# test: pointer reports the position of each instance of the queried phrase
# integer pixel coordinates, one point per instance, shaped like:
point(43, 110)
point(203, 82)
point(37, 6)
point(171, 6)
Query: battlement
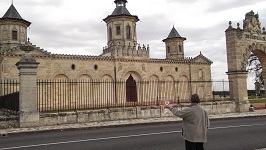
point(127, 51)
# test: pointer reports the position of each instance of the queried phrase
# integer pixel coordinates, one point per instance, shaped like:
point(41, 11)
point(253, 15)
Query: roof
point(174, 34)
point(117, 1)
point(120, 10)
point(13, 14)
point(201, 59)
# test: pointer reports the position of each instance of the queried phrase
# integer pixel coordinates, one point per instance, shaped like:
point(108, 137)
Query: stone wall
point(49, 119)
point(9, 122)
point(123, 114)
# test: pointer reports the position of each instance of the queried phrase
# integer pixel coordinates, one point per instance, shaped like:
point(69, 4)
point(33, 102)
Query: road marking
point(261, 124)
point(124, 136)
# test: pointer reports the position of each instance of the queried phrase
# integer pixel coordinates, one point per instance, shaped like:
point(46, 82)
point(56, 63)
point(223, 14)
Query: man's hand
point(168, 106)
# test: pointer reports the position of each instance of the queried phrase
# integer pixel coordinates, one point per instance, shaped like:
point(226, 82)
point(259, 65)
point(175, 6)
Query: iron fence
point(62, 95)
point(9, 96)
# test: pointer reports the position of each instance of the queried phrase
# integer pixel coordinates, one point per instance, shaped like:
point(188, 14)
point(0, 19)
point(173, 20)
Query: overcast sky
point(76, 27)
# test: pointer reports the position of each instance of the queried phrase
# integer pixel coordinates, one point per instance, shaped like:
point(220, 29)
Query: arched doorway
point(239, 44)
point(131, 89)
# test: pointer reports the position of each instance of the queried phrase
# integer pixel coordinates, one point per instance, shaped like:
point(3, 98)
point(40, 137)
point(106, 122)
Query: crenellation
point(124, 50)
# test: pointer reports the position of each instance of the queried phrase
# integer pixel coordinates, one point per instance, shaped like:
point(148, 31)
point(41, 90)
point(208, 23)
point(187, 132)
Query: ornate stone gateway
point(239, 43)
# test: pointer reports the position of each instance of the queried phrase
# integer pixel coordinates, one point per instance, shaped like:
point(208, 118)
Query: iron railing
point(64, 95)
point(9, 96)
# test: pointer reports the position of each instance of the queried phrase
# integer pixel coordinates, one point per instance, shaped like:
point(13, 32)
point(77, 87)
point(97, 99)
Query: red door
point(131, 90)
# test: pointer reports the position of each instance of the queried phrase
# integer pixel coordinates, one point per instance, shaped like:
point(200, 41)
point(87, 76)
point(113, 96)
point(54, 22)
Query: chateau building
point(121, 60)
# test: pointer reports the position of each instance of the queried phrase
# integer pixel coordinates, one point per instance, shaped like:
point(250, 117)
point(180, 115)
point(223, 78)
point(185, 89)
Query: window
point(161, 69)
point(180, 48)
point(128, 32)
point(118, 30)
point(200, 74)
point(110, 34)
point(73, 66)
point(168, 49)
point(14, 35)
point(95, 67)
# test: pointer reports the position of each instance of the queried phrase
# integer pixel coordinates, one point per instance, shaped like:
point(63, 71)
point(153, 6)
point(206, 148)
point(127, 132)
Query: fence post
point(28, 113)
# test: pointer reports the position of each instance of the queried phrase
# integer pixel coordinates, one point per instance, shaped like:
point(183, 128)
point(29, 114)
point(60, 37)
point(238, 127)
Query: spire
point(120, 3)
point(173, 33)
point(120, 10)
point(12, 13)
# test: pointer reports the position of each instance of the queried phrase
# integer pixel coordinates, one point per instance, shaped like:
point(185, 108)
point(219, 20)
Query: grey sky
point(76, 27)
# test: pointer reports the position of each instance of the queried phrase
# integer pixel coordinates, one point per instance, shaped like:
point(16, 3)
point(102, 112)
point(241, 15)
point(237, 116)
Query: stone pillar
point(238, 88)
point(237, 73)
point(28, 113)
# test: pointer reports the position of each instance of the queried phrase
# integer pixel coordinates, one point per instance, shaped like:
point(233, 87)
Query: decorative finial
point(230, 25)
point(263, 30)
point(238, 24)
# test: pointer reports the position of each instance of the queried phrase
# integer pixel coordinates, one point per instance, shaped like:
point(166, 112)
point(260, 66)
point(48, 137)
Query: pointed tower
point(121, 26)
point(13, 29)
point(174, 44)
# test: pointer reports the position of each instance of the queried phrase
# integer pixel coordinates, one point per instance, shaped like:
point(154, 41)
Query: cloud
point(216, 6)
point(62, 26)
point(184, 1)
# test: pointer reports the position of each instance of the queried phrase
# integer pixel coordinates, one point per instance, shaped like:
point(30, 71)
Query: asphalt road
point(237, 134)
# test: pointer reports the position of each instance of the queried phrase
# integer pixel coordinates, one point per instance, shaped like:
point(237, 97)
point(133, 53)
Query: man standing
point(195, 123)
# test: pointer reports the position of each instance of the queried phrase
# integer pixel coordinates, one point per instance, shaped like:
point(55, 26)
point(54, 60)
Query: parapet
point(127, 51)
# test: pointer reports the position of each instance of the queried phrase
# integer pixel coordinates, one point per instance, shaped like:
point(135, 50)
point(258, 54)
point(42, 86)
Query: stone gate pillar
point(28, 113)
point(237, 73)
point(239, 44)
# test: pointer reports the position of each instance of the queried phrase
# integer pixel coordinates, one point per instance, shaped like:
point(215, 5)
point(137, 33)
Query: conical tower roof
point(120, 10)
point(174, 34)
point(12, 13)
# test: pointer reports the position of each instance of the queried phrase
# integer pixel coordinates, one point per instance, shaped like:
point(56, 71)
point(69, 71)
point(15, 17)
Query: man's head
point(195, 98)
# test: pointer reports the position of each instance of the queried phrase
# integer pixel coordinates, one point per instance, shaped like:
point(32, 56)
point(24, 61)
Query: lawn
point(258, 100)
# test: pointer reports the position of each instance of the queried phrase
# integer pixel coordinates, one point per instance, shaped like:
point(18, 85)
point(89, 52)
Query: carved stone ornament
point(119, 67)
point(143, 67)
point(27, 57)
point(252, 23)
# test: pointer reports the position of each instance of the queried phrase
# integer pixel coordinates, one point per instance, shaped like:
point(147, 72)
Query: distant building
point(122, 59)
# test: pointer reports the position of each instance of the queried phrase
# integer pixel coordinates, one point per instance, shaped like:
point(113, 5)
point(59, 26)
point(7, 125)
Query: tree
point(254, 68)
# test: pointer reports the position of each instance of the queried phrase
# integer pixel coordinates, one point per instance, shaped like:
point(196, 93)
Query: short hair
point(195, 98)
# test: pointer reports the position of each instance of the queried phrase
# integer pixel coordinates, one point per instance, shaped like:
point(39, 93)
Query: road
point(237, 134)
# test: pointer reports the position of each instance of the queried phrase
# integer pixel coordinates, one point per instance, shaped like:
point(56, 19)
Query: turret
point(13, 29)
point(121, 26)
point(174, 44)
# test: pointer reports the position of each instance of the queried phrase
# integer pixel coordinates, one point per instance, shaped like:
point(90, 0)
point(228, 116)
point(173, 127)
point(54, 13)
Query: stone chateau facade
point(121, 59)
